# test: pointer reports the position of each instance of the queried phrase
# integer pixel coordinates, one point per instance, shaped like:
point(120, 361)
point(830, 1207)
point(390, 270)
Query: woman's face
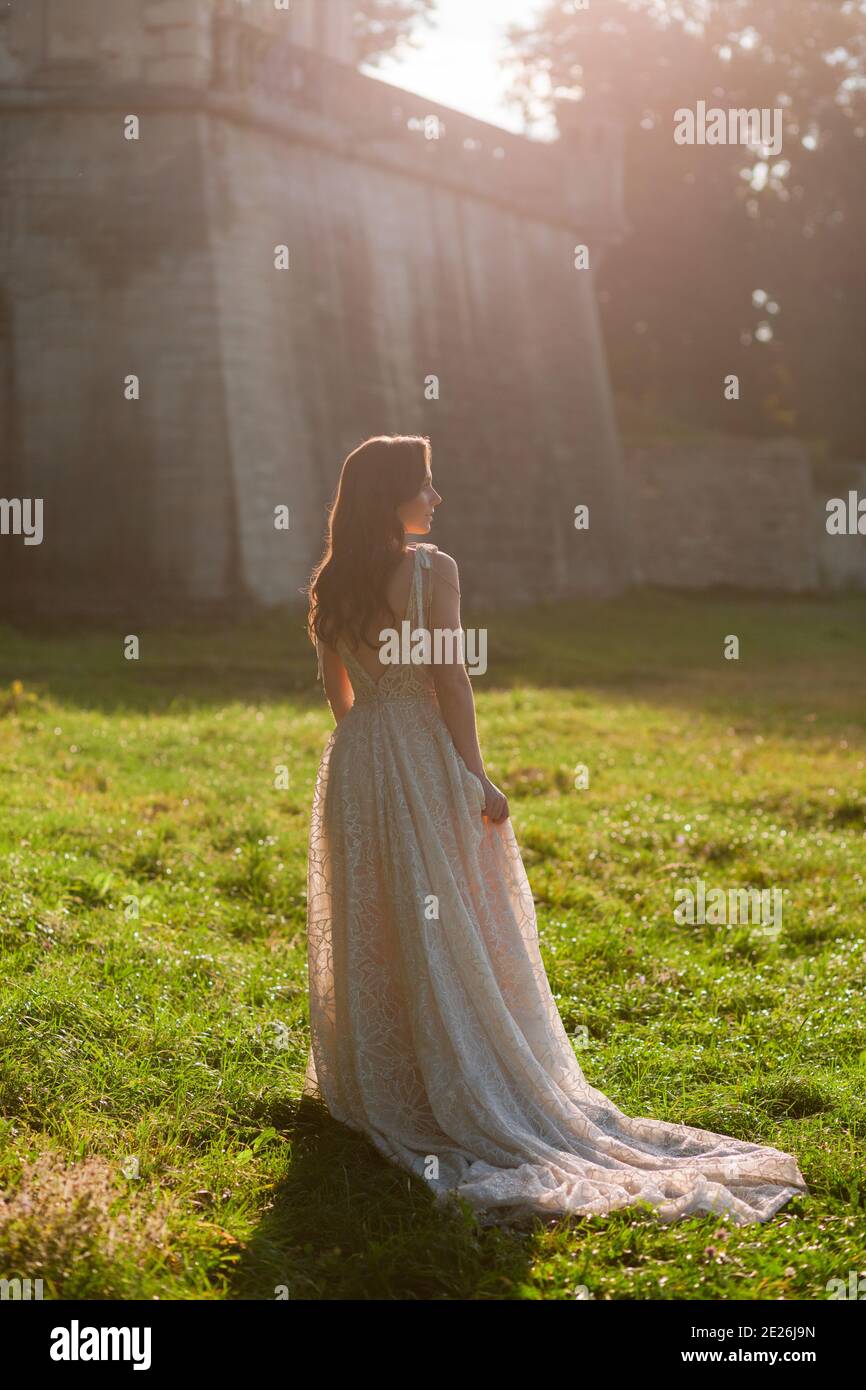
point(417, 515)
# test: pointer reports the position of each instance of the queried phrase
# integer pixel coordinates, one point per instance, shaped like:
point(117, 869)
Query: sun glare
point(458, 60)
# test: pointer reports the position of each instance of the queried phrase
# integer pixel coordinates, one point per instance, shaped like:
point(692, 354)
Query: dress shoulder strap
point(422, 584)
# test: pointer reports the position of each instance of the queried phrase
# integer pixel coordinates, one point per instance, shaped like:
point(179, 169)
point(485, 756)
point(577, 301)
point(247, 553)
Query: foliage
point(385, 26)
point(737, 261)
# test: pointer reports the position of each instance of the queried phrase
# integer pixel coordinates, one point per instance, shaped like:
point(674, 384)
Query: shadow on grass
point(662, 648)
point(346, 1224)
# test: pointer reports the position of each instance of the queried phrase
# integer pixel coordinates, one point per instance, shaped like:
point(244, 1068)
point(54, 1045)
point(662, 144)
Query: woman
point(433, 1028)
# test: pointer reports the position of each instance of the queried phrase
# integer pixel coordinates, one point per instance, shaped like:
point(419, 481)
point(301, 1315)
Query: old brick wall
point(392, 280)
point(155, 257)
point(738, 514)
point(841, 558)
point(409, 258)
point(106, 271)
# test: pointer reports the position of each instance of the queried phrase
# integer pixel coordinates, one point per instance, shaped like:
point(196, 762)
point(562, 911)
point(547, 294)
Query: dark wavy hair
point(365, 540)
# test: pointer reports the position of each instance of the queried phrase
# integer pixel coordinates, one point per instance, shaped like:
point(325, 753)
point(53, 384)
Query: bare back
point(398, 592)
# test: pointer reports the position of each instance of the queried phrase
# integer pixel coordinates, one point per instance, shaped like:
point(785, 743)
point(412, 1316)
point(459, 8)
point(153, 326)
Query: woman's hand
point(495, 802)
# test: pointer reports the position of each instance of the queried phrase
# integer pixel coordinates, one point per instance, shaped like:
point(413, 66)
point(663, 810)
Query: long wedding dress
point(433, 1028)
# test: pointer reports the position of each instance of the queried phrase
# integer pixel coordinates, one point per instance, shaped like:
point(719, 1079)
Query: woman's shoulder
point(433, 558)
point(445, 567)
point(443, 563)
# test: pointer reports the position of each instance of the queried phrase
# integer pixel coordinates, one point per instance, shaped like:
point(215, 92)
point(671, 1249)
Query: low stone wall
point(841, 559)
point(744, 514)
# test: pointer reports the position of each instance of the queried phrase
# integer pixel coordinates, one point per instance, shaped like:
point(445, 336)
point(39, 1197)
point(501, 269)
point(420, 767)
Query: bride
point(433, 1028)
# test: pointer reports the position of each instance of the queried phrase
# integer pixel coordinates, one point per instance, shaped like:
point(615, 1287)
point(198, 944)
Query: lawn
point(153, 1026)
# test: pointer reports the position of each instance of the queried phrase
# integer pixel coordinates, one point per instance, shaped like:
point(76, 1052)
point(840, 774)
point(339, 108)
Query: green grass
point(152, 927)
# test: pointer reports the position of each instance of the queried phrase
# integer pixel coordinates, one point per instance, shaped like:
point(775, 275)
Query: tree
point(383, 26)
point(738, 261)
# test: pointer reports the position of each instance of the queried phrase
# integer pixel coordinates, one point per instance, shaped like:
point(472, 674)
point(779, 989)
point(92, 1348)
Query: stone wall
point(841, 559)
point(100, 283)
point(151, 40)
point(409, 258)
point(404, 280)
point(743, 514)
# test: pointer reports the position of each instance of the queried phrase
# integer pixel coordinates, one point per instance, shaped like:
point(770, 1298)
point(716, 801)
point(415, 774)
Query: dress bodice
point(409, 679)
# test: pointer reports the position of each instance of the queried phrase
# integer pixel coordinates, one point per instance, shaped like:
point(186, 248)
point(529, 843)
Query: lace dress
point(433, 1028)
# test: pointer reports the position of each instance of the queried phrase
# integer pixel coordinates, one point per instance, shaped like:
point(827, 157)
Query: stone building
point(164, 386)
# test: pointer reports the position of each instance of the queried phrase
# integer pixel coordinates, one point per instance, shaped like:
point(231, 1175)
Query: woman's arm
point(335, 678)
point(453, 687)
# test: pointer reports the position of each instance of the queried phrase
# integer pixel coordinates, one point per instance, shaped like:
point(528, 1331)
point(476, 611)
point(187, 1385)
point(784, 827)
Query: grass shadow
point(344, 1219)
point(661, 648)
